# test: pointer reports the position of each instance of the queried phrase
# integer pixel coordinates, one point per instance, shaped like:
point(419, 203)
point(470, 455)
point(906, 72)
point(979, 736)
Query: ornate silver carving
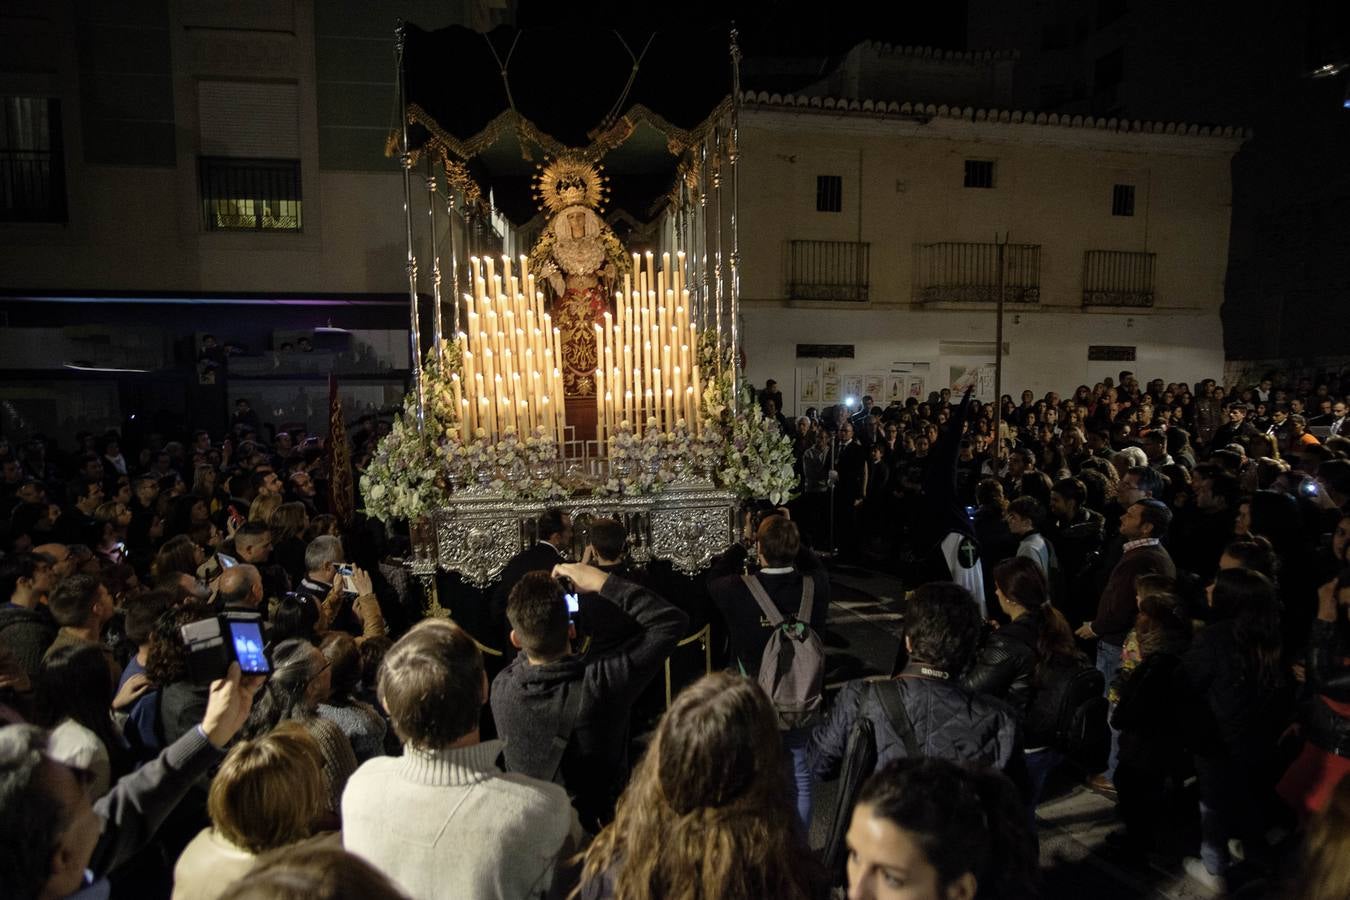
point(689, 523)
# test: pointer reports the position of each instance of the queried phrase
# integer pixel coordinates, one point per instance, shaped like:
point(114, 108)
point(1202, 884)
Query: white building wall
point(1045, 352)
point(903, 185)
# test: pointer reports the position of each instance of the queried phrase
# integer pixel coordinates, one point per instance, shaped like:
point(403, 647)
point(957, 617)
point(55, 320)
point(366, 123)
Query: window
point(1122, 200)
point(979, 173)
point(250, 194)
point(829, 193)
point(32, 167)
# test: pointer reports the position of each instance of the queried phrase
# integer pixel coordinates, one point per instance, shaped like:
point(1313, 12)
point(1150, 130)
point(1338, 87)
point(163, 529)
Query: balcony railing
point(1118, 278)
point(828, 270)
point(952, 272)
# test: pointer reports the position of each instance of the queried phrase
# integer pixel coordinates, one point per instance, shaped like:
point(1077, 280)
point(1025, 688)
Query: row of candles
point(647, 353)
point(511, 354)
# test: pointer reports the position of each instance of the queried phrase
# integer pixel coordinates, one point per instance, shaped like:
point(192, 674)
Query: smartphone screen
point(345, 569)
point(573, 604)
point(248, 647)
point(226, 562)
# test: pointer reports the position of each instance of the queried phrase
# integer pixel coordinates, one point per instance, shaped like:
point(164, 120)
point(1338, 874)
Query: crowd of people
point(1137, 585)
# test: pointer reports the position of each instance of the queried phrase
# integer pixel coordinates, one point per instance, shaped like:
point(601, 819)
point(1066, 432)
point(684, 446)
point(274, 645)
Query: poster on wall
point(852, 386)
point(829, 389)
point(830, 367)
point(909, 379)
point(980, 376)
point(808, 386)
point(874, 386)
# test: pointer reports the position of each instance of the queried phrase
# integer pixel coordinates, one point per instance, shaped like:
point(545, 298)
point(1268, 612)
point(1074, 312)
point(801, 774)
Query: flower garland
point(755, 456)
point(405, 479)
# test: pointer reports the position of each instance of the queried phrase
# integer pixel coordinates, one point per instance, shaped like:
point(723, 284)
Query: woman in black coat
point(1153, 757)
point(1237, 700)
point(1028, 664)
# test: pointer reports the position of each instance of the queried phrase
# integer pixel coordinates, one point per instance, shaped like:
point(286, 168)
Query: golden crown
point(568, 182)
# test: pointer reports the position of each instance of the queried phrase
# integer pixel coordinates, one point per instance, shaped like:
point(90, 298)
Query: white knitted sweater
point(450, 824)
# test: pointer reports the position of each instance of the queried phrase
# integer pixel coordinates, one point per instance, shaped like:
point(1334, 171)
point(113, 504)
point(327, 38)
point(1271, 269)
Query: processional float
point(584, 374)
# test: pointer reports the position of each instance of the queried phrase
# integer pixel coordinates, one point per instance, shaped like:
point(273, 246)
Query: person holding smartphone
point(344, 592)
point(564, 713)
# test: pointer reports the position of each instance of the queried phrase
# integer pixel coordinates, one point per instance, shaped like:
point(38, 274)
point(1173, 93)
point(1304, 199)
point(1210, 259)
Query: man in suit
point(785, 567)
point(554, 537)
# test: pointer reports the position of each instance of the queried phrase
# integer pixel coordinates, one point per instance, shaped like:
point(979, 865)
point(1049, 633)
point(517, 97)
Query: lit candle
point(600, 406)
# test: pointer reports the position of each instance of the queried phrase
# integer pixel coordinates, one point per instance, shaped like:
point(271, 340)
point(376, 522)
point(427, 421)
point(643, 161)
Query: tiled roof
point(881, 108)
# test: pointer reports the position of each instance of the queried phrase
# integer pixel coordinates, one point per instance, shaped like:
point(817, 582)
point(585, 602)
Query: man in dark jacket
point(1078, 536)
point(785, 566)
point(1236, 431)
point(942, 625)
point(1143, 527)
point(564, 716)
point(26, 625)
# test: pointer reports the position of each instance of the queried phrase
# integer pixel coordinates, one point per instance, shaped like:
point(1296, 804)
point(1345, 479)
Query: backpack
point(792, 670)
point(1081, 732)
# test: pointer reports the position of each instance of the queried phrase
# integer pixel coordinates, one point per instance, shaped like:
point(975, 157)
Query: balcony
point(828, 271)
point(1118, 278)
point(952, 272)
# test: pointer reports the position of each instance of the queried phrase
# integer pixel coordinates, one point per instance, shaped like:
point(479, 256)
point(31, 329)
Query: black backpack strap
point(888, 694)
point(567, 723)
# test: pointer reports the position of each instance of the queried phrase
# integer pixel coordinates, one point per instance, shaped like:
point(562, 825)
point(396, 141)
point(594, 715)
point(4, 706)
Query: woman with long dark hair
point(1236, 688)
point(705, 815)
point(929, 829)
point(75, 696)
point(1028, 663)
point(1153, 760)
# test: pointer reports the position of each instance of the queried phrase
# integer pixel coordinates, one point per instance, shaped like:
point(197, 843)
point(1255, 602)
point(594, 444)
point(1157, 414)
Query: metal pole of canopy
point(414, 329)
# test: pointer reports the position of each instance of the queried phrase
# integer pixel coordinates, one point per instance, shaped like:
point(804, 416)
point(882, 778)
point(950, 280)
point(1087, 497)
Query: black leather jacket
point(1329, 679)
point(1005, 663)
point(1005, 667)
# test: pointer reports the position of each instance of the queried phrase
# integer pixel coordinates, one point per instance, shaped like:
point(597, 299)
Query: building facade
point(174, 163)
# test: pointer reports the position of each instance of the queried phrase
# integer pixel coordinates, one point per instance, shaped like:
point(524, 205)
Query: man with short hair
point(323, 557)
point(81, 606)
point(1143, 527)
point(564, 715)
point(61, 559)
point(1155, 448)
point(26, 625)
point(55, 843)
point(240, 588)
point(941, 630)
point(1026, 520)
point(442, 821)
point(1024, 479)
point(1078, 538)
point(1237, 430)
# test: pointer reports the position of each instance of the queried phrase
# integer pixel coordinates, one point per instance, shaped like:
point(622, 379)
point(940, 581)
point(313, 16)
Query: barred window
point(979, 173)
point(250, 194)
point(829, 193)
point(32, 170)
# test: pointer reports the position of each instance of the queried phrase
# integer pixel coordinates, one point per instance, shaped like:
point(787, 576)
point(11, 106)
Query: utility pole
point(998, 351)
